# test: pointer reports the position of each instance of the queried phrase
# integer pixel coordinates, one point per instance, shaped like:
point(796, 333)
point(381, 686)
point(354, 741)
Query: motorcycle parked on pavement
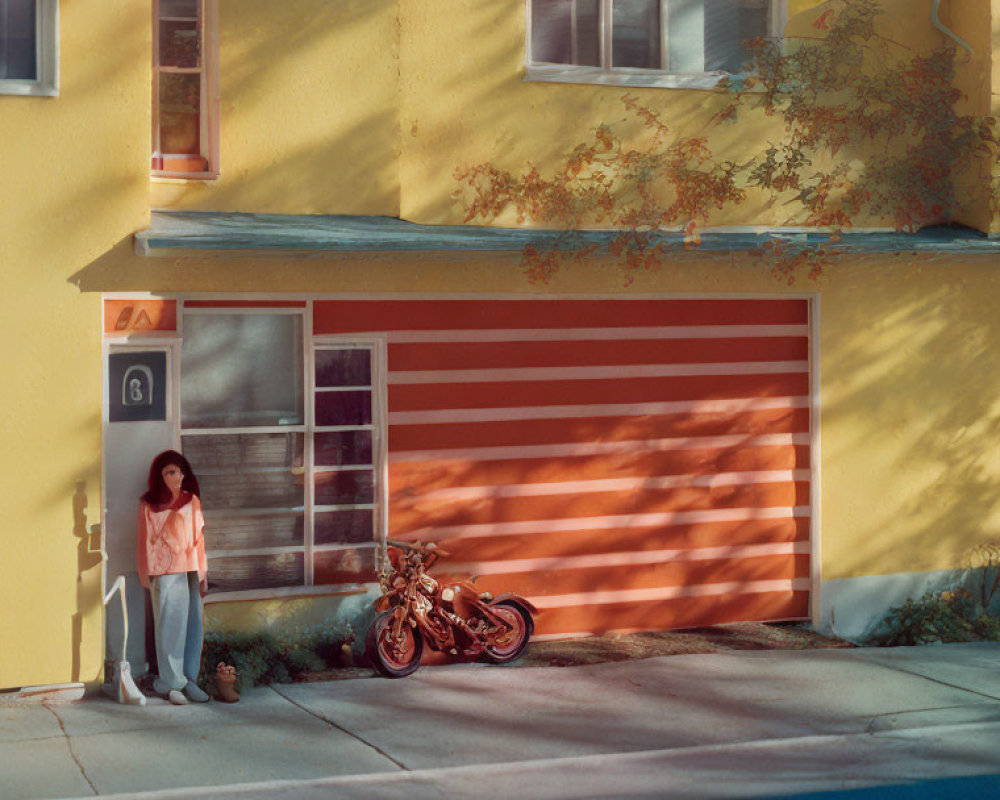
point(454, 618)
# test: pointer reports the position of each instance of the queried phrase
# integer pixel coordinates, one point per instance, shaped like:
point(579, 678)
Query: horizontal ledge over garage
point(173, 233)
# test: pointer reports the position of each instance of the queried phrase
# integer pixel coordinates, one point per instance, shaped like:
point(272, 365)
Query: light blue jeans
point(177, 618)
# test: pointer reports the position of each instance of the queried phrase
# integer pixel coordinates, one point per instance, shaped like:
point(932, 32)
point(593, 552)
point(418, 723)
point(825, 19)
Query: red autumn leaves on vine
point(870, 132)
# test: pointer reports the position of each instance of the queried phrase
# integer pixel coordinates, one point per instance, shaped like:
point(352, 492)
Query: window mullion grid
point(373, 426)
point(574, 33)
point(308, 447)
point(304, 429)
point(157, 151)
point(39, 39)
point(606, 34)
point(203, 132)
point(664, 39)
point(777, 13)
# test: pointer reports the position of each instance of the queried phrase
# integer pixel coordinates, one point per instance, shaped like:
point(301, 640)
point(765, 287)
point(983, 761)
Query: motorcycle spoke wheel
point(394, 657)
point(509, 644)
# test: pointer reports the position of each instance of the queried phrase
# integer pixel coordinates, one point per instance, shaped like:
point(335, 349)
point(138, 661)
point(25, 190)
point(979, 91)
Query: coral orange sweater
point(171, 540)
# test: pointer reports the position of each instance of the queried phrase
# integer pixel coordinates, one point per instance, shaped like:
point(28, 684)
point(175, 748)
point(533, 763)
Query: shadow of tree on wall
point(953, 427)
point(295, 135)
point(88, 557)
point(861, 131)
point(914, 390)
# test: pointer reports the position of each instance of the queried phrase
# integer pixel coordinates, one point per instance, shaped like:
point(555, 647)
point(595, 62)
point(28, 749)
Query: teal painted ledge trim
point(173, 231)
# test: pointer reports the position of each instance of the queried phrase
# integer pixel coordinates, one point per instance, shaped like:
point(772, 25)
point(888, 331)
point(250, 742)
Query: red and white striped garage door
point(625, 464)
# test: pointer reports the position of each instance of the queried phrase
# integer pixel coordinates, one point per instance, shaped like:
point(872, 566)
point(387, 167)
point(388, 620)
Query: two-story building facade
point(243, 231)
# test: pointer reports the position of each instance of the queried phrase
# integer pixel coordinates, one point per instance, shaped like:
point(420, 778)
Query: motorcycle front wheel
point(509, 645)
point(394, 659)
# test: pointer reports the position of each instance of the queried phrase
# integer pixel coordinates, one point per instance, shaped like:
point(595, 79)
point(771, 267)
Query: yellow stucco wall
point(910, 376)
point(316, 119)
point(73, 182)
point(308, 111)
point(480, 109)
point(369, 107)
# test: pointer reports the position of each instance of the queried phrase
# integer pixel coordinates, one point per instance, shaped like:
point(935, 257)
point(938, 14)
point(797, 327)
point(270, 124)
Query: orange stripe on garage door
point(662, 537)
point(346, 316)
point(595, 429)
point(650, 576)
point(407, 479)
point(687, 612)
point(475, 355)
point(403, 519)
point(416, 397)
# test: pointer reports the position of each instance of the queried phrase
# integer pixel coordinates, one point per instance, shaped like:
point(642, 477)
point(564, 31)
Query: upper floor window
point(185, 89)
point(670, 43)
point(29, 47)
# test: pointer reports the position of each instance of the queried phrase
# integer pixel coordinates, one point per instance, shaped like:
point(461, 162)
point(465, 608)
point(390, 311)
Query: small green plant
point(984, 560)
point(948, 616)
point(262, 659)
point(256, 658)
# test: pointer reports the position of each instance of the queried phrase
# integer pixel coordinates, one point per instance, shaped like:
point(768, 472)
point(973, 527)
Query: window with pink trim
point(185, 89)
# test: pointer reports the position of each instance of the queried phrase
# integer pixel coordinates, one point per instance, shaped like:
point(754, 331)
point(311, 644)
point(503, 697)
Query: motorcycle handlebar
point(428, 549)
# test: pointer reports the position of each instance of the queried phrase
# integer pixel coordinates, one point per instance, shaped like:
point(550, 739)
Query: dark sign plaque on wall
point(137, 384)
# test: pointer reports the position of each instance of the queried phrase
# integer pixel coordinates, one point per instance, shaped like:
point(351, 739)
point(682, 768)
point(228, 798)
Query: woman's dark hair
point(158, 493)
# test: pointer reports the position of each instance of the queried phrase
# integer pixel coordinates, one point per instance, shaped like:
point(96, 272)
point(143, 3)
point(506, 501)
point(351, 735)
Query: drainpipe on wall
point(935, 7)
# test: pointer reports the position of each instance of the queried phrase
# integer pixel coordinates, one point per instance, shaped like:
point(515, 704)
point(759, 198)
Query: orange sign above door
point(122, 317)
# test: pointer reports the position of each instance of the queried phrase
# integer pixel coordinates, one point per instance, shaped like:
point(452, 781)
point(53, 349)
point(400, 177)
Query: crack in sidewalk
point(959, 687)
point(72, 752)
point(341, 728)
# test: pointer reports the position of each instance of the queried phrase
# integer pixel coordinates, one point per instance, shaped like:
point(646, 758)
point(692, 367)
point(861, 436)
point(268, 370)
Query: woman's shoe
point(194, 693)
point(177, 697)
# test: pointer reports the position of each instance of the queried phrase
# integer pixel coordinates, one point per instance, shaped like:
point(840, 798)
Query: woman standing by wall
point(172, 565)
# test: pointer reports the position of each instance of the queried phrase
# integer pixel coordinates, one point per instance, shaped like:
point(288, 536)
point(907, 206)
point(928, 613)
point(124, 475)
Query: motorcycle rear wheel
point(521, 626)
point(390, 658)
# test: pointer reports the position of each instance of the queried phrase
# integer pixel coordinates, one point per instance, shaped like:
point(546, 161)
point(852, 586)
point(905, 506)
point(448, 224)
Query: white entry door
point(140, 422)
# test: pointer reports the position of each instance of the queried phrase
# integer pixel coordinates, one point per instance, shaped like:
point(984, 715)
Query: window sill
point(331, 590)
point(165, 176)
point(29, 88)
point(560, 73)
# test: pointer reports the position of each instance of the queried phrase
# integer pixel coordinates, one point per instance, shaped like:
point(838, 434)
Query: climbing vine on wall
point(870, 132)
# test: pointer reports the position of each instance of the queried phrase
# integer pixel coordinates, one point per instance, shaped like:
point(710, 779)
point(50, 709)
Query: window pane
point(17, 40)
point(345, 488)
point(343, 368)
point(343, 408)
point(686, 35)
point(635, 33)
point(247, 470)
point(728, 25)
point(178, 8)
point(180, 106)
point(241, 370)
point(355, 565)
point(233, 574)
point(345, 526)
point(251, 532)
point(343, 447)
point(565, 32)
point(179, 44)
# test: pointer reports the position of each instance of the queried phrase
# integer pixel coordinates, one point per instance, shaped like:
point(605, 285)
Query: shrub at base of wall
point(854, 608)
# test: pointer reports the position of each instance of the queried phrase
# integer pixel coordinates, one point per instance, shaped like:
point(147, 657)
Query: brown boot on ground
point(225, 683)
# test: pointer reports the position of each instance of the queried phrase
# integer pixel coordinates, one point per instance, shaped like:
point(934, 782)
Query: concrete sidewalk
point(736, 724)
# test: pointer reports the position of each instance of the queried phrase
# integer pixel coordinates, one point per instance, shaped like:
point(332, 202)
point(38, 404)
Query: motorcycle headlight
point(448, 594)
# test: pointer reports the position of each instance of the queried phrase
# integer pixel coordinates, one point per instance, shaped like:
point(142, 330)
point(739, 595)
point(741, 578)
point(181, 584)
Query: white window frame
point(46, 84)
point(632, 76)
point(208, 115)
point(308, 428)
point(380, 446)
